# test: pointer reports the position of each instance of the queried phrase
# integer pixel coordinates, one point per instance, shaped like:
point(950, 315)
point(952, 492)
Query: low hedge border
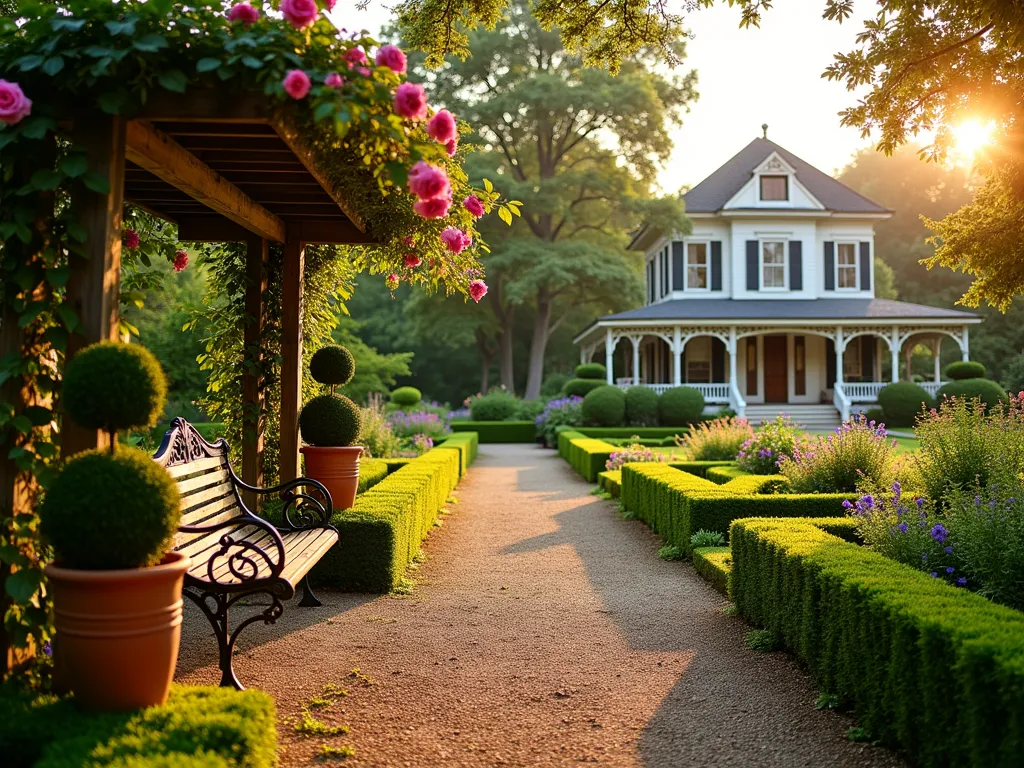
point(628, 432)
point(499, 431)
point(394, 465)
point(714, 564)
point(676, 504)
point(198, 727)
point(929, 668)
point(610, 481)
point(725, 473)
point(381, 534)
point(586, 455)
point(757, 484)
point(466, 443)
point(371, 472)
point(700, 468)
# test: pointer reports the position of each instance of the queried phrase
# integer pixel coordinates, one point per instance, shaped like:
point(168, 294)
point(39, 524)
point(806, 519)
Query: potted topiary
point(111, 516)
point(329, 424)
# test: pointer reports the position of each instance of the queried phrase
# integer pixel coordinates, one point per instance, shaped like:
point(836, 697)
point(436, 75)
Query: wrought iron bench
point(236, 554)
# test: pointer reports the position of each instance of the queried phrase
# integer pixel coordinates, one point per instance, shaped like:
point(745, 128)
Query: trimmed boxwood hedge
point(965, 370)
point(724, 474)
point(902, 401)
point(604, 407)
point(646, 433)
point(394, 465)
point(934, 670)
point(988, 391)
point(676, 504)
point(382, 532)
point(499, 431)
point(582, 387)
point(610, 481)
point(714, 564)
point(584, 454)
point(198, 727)
point(371, 472)
point(701, 468)
point(763, 484)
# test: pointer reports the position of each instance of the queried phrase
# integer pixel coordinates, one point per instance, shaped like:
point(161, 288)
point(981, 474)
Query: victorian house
point(769, 304)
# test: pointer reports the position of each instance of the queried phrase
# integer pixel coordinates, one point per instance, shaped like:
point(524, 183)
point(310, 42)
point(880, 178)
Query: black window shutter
point(830, 363)
point(753, 282)
point(716, 265)
point(677, 266)
point(650, 282)
point(717, 360)
point(796, 265)
point(830, 266)
point(865, 266)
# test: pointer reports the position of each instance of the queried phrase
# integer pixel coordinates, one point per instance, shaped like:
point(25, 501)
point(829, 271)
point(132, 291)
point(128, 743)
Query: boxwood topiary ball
point(580, 387)
point(680, 406)
point(960, 370)
point(406, 397)
point(330, 421)
point(902, 401)
point(989, 392)
point(114, 386)
point(111, 511)
point(605, 407)
point(641, 407)
point(591, 371)
point(332, 365)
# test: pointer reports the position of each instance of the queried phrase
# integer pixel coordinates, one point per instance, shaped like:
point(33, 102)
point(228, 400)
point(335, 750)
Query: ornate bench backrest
point(203, 475)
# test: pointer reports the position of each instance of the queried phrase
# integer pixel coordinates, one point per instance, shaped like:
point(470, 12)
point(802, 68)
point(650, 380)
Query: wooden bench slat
point(254, 536)
point(201, 481)
point(198, 465)
point(199, 515)
point(182, 540)
point(204, 494)
point(299, 563)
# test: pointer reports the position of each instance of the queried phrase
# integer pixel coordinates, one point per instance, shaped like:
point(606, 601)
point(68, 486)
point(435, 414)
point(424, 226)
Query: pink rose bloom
point(354, 55)
point(300, 13)
point(474, 205)
point(455, 239)
point(412, 260)
point(391, 280)
point(408, 240)
point(410, 101)
point(180, 261)
point(131, 239)
point(436, 208)
point(391, 56)
point(329, 4)
point(334, 80)
point(364, 71)
point(451, 146)
point(15, 106)
point(428, 181)
point(442, 128)
point(296, 84)
point(477, 290)
point(244, 13)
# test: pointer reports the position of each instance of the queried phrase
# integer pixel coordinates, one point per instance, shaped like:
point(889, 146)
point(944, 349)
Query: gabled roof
point(717, 189)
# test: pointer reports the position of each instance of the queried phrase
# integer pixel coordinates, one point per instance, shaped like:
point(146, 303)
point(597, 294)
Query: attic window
point(775, 188)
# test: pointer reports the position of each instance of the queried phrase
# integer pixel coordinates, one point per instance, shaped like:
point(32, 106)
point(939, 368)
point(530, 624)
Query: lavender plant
point(716, 440)
point(561, 412)
point(634, 453)
point(857, 452)
point(410, 423)
point(773, 441)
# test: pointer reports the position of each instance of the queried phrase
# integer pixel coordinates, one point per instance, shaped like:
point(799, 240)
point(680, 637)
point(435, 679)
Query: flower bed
point(499, 431)
point(198, 727)
point(676, 503)
point(382, 533)
point(934, 670)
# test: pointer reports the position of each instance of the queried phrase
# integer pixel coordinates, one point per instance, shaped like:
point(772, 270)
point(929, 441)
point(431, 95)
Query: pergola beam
point(216, 229)
point(162, 156)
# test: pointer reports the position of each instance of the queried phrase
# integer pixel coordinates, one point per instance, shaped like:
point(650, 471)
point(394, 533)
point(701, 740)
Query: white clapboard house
point(769, 305)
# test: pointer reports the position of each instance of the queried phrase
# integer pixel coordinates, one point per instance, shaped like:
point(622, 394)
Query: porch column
point(583, 355)
point(965, 347)
point(937, 355)
point(609, 357)
point(291, 357)
point(894, 351)
point(731, 350)
point(840, 349)
point(677, 357)
point(635, 341)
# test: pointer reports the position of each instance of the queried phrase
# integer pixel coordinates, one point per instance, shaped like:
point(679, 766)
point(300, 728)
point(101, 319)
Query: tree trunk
point(505, 359)
point(538, 347)
point(486, 349)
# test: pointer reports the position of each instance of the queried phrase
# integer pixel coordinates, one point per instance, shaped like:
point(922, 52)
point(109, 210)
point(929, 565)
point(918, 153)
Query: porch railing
point(841, 401)
point(716, 392)
point(932, 387)
point(867, 391)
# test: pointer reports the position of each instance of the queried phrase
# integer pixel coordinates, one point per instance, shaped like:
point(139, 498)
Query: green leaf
point(47, 179)
point(27, 63)
point(207, 65)
point(22, 423)
point(121, 27)
point(488, 186)
point(73, 165)
point(6, 137)
point(37, 127)
point(58, 276)
point(96, 182)
point(63, 23)
point(53, 65)
point(252, 62)
point(38, 415)
point(399, 173)
point(323, 111)
point(23, 584)
point(77, 231)
point(174, 80)
point(112, 101)
point(98, 51)
point(68, 316)
point(504, 215)
point(149, 43)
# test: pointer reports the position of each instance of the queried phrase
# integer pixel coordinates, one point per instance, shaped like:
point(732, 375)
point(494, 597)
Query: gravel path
point(544, 631)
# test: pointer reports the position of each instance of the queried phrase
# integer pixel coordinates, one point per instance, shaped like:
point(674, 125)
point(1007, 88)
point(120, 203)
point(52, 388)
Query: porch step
point(813, 417)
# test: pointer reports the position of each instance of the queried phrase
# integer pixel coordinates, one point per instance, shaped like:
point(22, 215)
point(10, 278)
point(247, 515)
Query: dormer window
point(774, 187)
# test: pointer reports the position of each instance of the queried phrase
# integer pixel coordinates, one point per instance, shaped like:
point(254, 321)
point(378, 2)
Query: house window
point(697, 266)
point(773, 265)
point(846, 267)
point(775, 188)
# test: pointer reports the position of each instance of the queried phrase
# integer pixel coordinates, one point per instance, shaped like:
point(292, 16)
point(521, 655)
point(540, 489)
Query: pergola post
point(253, 416)
point(291, 357)
point(94, 284)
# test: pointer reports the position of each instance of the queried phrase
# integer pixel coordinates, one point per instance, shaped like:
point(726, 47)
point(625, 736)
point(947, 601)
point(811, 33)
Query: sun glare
point(971, 137)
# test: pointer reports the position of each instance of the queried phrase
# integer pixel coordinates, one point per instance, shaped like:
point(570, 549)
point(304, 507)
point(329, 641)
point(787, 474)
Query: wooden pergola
point(223, 167)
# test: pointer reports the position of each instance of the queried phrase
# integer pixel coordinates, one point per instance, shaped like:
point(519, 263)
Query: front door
point(776, 368)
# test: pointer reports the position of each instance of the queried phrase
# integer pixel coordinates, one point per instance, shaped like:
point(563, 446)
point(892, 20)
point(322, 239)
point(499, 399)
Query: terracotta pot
point(117, 632)
point(337, 468)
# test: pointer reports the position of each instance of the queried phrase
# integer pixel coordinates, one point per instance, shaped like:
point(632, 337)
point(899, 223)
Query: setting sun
point(972, 136)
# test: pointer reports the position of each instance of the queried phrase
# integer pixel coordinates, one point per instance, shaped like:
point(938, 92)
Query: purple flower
point(48, 648)
point(934, 575)
point(868, 500)
point(939, 533)
point(902, 527)
point(962, 581)
point(949, 550)
point(847, 504)
point(919, 501)
point(950, 569)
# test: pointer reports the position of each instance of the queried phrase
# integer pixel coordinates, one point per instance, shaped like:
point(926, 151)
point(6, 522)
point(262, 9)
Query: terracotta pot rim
point(331, 448)
point(172, 562)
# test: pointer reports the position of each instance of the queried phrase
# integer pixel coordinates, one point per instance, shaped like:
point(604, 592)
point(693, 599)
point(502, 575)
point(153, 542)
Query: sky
point(746, 77)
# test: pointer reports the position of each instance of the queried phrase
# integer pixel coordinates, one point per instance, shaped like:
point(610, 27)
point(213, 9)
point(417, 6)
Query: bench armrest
point(245, 560)
point(307, 503)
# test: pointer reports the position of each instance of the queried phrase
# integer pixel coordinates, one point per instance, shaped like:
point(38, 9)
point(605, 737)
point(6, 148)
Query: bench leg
point(309, 600)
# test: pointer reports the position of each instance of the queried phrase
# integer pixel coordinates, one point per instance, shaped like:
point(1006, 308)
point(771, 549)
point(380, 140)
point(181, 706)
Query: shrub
point(375, 434)
point(406, 397)
point(562, 412)
point(773, 440)
point(528, 410)
point(605, 407)
point(332, 366)
point(632, 454)
point(965, 370)
point(330, 420)
point(718, 440)
point(114, 386)
point(641, 407)
point(586, 455)
point(857, 452)
point(409, 423)
point(553, 384)
point(714, 564)
point(582, 387)
point(680, 406)
point(591, 371)
point(497, 405)
point(704, 538)
point(875, 414)
point(902, 402)
point(989, 392)
point(111, 511)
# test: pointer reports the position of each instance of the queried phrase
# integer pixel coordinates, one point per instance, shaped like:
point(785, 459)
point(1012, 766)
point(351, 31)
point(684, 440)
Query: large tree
point(580, 148)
